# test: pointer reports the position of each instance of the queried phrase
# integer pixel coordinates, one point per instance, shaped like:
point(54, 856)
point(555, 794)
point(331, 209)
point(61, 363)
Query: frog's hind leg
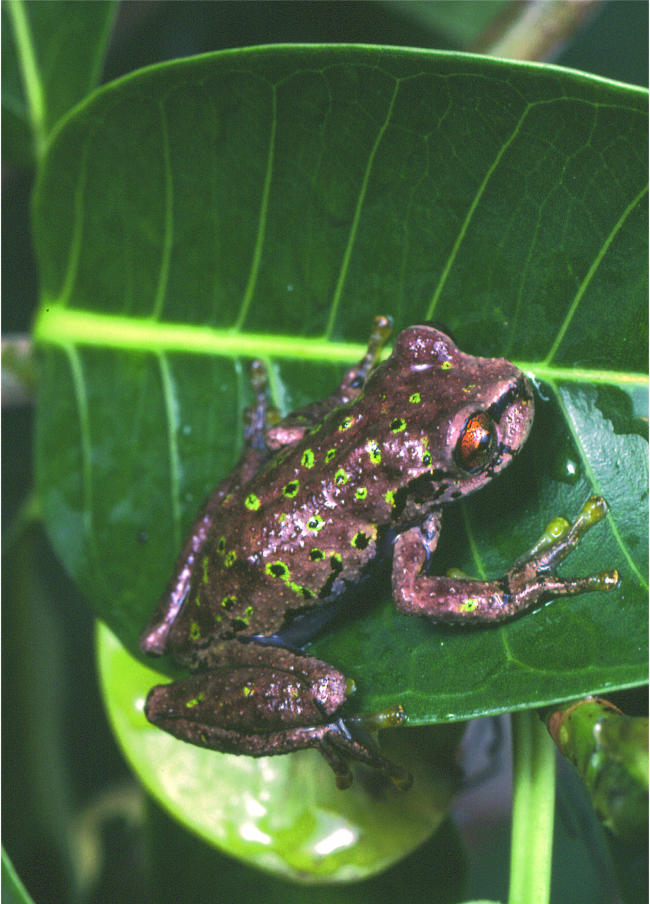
point(262, 701)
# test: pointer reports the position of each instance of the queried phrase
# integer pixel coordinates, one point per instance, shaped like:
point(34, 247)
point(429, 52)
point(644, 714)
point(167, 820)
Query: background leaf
point(269, 202)
point(250, 808)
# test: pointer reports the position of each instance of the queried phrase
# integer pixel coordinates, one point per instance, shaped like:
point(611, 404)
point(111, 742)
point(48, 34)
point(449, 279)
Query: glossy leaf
point(284, 814)
point(52, 57)
point(268, 202)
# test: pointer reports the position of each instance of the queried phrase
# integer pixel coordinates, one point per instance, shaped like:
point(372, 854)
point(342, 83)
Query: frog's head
point(458, 420)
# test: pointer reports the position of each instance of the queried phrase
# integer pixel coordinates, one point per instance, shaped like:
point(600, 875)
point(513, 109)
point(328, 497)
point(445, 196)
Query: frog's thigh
point(250, 703)
point(441, 598)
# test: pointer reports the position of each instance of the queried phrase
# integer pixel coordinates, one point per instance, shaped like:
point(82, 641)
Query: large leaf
point(284, 814)
point(269, 202)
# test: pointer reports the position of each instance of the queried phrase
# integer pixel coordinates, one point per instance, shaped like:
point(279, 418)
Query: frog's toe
point(339, 745)
point(338, 764)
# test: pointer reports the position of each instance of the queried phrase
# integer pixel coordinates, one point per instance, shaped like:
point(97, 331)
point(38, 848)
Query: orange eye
point(476, 443)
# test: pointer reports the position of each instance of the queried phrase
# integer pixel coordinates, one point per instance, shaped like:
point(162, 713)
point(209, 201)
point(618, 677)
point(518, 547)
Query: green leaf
point(284, 814)
point(268, 202)
point(52, 57)
point(13, 890)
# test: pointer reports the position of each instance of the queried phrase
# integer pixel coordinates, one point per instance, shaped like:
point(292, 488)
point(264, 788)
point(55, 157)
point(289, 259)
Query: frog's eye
point(476, 443)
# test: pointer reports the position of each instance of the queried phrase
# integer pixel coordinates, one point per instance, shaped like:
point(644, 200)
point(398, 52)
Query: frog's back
point(292, 538)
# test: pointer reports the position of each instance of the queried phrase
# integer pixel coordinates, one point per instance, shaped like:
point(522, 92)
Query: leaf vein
point(171, 421)
point(262, 219)
point(590, 273)
point(168, 236)
point(347, 254)
point(470, 213)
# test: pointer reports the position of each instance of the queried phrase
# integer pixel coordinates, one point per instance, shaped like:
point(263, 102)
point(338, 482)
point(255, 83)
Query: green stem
point(533, 810)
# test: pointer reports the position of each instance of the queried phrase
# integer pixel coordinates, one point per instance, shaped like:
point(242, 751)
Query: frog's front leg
point(263, 700)
point(529, 582)
point(295, 425)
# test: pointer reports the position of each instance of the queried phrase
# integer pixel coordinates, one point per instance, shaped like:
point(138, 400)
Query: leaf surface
point(52, 56)
point(269, 202)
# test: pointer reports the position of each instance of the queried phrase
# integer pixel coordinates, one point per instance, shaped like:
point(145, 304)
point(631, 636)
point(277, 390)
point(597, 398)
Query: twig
point(535, 30)
point(18, 381)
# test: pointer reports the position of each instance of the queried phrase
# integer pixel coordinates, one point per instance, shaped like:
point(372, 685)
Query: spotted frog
point(315, 498)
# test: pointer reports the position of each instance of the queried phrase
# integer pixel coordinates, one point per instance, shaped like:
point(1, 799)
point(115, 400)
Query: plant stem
point(18, 381)
point(535, 30)
point(533, 810)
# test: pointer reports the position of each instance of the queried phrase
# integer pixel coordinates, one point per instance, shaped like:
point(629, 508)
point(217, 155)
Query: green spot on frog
point(397, 424)
point(374, 451)
point(282, 517)
point(360, 540)
point(206, 576)
point(195, 631)
point(248, 689)
point(415, 398)
point(346, 423)
point(221, 545)
point(307, 460)
point(228, 602)
point(315, 523)
point(469, 605)
point(360, 493)
point(341, 477)
point(231, 558)
point(316, 554)
point(200, 697)
point(446, 365)
point(252, 502)
point(330, 455)
point(277, 569)
point(291, 489)
point(390, 498)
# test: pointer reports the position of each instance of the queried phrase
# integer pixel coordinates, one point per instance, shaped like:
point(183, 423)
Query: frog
point(316, 499)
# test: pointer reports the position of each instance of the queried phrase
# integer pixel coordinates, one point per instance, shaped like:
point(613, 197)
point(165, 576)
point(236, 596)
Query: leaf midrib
point(64, 327)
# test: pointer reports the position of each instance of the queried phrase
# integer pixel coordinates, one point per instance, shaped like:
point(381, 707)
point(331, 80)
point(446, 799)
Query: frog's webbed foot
point(530, 581)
